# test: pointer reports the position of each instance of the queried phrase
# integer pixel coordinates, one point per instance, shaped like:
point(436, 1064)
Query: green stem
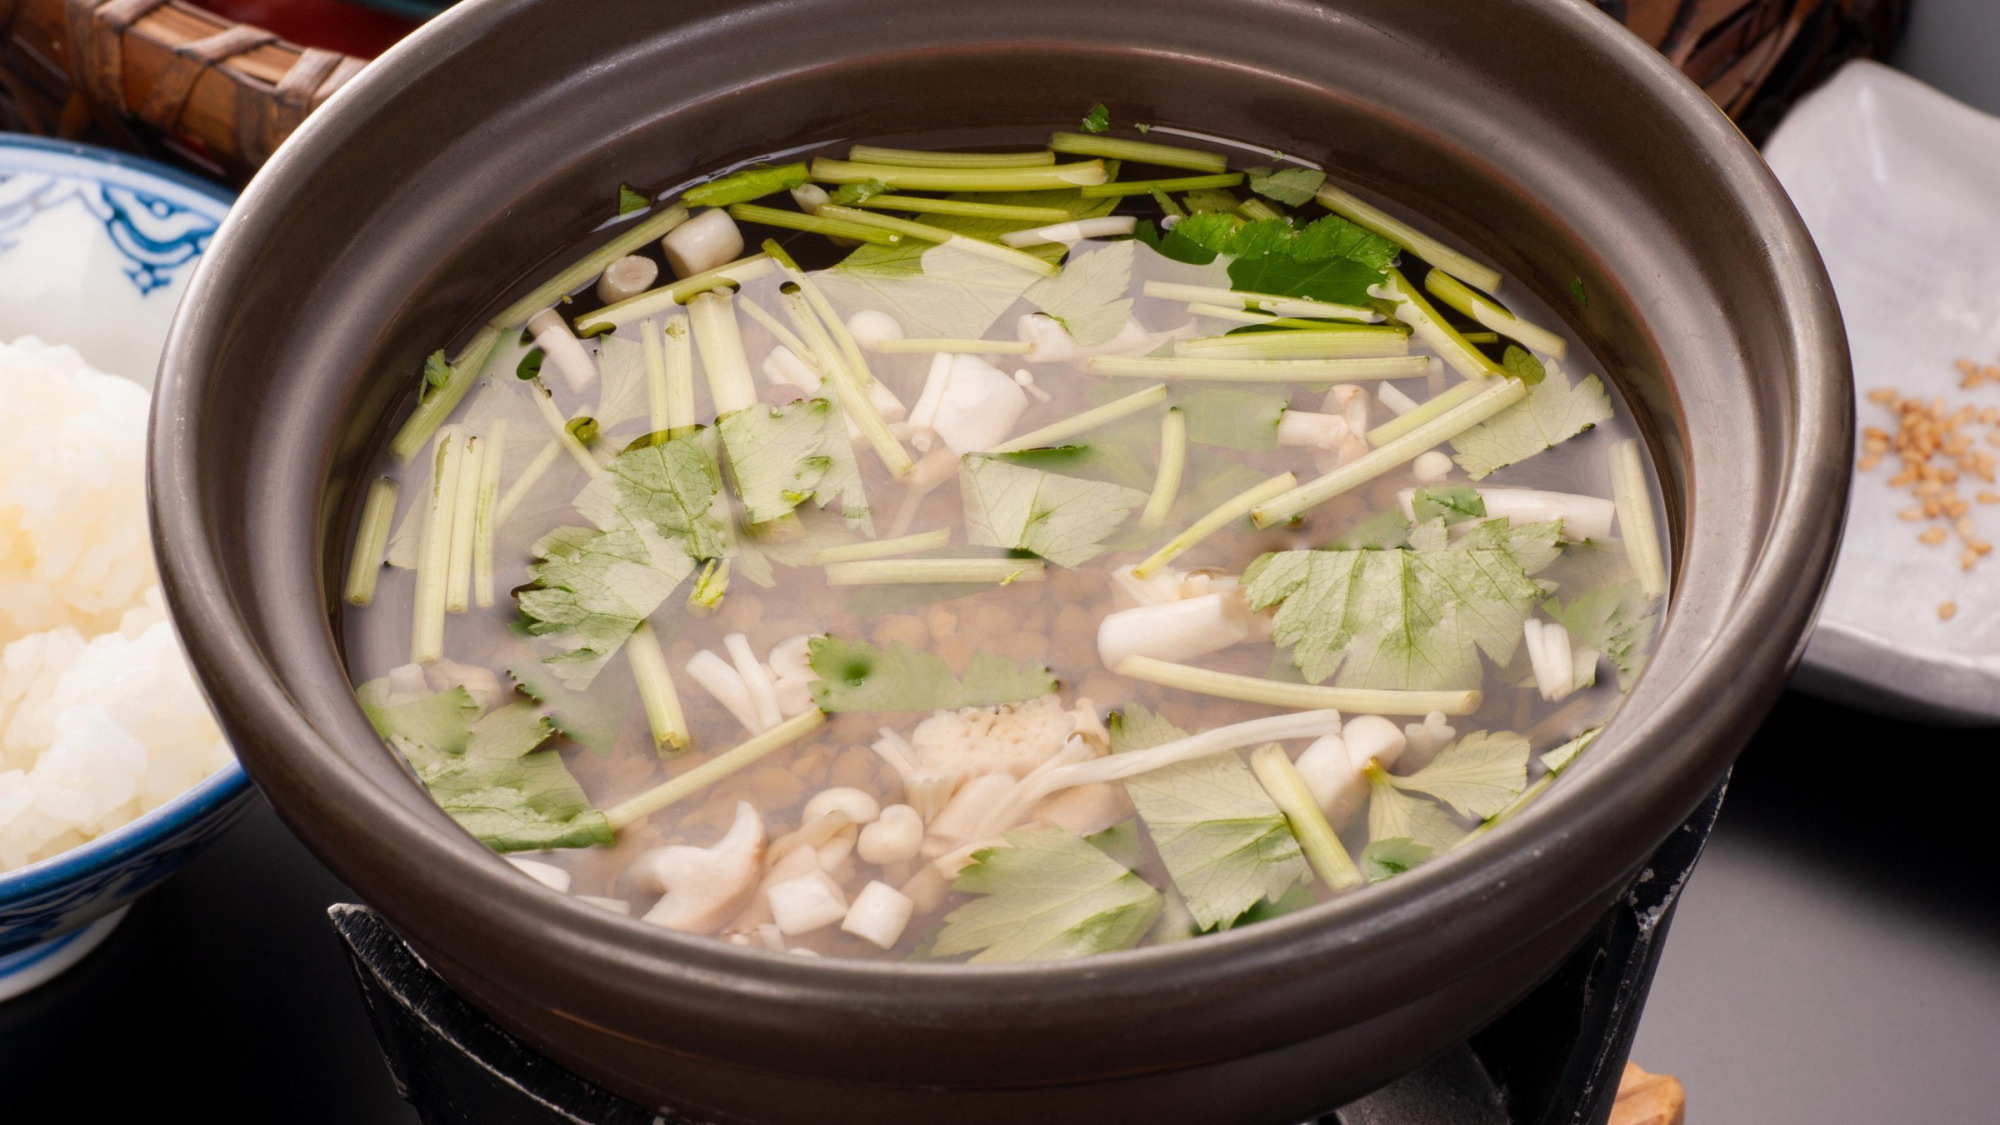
point(781, 333)
point(1148, 187)
point(1289, 791)
point(720, 340)
point(884, 548)
point(371, 539)
point(1454, 349)
point(1456, 395)
point(1495, 397)
point(1052, 178)
point(431, 412)
point(483, 528)
point(434, 551)
point(1265, 302)
point(1257, 209)
point(1173, 463)
point(1006, 212)
point(919, 572)
point(656, 689)
point(1635, 518)
point(639, 306)
point(939, 235)
point(1351, 208)
point(1110, 412)
point(1490, 313)
point(679, 340)
point(1165, 202)
point(518, 491)
point(1358, 342)
point(919, 158)
point(1254, 689)
point(582, 273)
point(464, 524)
point(1229, 511)
point(546, 405)
point(828, 225)
point(826, 333)
point(1260, 370)
point(1139, 152)
point(954, 347)
point(1245, 316)
point(628, 813)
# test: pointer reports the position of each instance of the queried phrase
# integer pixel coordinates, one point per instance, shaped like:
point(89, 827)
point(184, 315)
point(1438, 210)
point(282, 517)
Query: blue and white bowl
point(95, 250)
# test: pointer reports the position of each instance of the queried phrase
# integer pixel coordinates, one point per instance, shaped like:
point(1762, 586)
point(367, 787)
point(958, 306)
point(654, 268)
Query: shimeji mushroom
point(896, 836)
point(704, 242)
point(1332, 766)
point(1012, 739)
point(701, 888)
point(563, 349)
point(1178, 630)
point(968, 403)
point(1426, 741)
point(1049, 342)
point(760, 696)
point(870, 327)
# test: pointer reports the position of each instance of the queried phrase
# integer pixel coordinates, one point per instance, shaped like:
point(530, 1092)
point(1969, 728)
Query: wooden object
point(1648, 1099)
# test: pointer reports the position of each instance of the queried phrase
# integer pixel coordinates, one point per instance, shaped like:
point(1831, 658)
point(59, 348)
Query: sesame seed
point(1932, 536)
point(1946, 610)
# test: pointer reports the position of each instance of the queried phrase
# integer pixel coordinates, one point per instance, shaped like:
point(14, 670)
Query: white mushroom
point(960, 821)
point(1552, 658)
point(810, 198)
point(1085, 810)
point(978, 406)
point(870, 327)
point(704, 242)
point(879, 914)
point(1332, 766)
point(563, 349)
point(1049, 342)
point(627, 277)
point(1317, 431)
point(806, 903)
point(702, 887)
point(1177, 630)
point(1397, 402)
point(1431, 466)
point(1426, 740)
point(858, 807)
point(547, 874)
point(895, 836)
point(783, 365)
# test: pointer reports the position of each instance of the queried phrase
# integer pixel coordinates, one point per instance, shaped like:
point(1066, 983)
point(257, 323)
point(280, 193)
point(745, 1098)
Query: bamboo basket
point(166, 78)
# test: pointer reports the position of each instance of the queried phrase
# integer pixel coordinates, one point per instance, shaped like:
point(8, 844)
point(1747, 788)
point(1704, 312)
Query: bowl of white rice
point(112, 770)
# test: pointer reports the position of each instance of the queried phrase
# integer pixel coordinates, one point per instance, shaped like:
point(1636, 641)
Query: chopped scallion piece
point(1140, 152)
point(1148, 187)
point(919, 205)
point(1173, 463)
point(1055, 432)
point(518, 491)
point(929, 233)
point(1456, 350)
point(1351, 208)
point(658, 300)
point(1452, 396)
point(434, 549)
point(1051, 178)
point(1246, 316)
point(433, 409)
point(371, 539)
point(1265, 302)
point(1275, 693)
point(918, 158)
point(486, 500)
point(719, 339)
point(1257, 209)
point(656, 689)
point(750, 183)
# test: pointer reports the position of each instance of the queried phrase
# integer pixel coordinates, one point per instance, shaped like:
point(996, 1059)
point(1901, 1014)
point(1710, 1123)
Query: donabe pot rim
point(1677, 744)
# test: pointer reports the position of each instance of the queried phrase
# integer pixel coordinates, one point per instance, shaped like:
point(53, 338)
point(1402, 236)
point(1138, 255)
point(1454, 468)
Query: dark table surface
point(1835, 961)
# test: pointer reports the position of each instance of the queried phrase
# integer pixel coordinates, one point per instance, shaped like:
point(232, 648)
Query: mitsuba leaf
point(1226, 844)
point(1452, 503)
point(1340, 280)
point(592, 589)
point(856, 676)
point(1198, 238)
point(1385, 859)
point(909, 256)
point(1396, 815)
point(1477, 775)
point(1062, 519)
point(1413, 618)
point(1088, 297)
point(486, 771)
point(1098, 120)
point(778, 455)
point(667, 488)
point(1046, 895)
point(437, 372)
point(1522, 364)
point(1293, 187)
point(1618, 621)
point(1558, 759)
point(630, 201)
point(1554, 411)
point(942, 291)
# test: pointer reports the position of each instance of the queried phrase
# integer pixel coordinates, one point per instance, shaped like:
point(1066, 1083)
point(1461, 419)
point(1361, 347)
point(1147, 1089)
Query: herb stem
point(917, 572)
point(1492, 314)
point(518, 491)
point(627, 813)
point(939, 235)
point(1226, 370)
point(1360, 341)
point(918, 158)
point(954, 347)
point(1496, 396)
point(1289, 791)
point(1255, 689)
point(1456, 395)
point(483, 529)
point(546, 403)
point(1264, 302)
point(1139, 152)
point(827, 335)
point(432, 411)
point(1230, 510)
point(1635, 518)
point(1173, 463)
point(656, 689)
point(782, 334)
point(678, 338)
point(434, 550)
point(1051, 178)
point(1219, 740)
point(371, 539)
point(884, 548)
point(1056, 432)
point(464, 519)
point(1257, 209)
point(821, 223)
point(719, 338)
point(1456, 350)
point(1246, 316)
point(1351, 208)
point(582, 273)
point(1148, 187)
point(1006, 212)
point(658, 300)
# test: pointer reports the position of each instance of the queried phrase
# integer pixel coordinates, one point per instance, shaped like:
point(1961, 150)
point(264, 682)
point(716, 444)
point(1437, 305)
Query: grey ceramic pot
point(435, 187)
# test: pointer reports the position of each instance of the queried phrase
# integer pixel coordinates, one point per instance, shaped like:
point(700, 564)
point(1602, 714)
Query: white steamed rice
point(100, 719)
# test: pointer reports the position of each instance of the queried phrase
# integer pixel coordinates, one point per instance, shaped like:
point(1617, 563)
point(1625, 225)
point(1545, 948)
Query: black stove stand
point(1554, 1059)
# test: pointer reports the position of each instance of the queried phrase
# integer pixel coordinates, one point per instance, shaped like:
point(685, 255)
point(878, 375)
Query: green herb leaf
point(667, 488)
point(908, 256)
point(944, 292)
point(487, 774)
point(1576, 290)
point(1329, 259)
point(1232, 417)
point(1331, 236)
point(741, 187)
point(530, 366)
point(1062, 519)
point(1098, 120)
point(1452, 503)
point(1380, 532)
point(1521, 364)
point(1340, 280)
point(856, 676)
point(437, 372)
point(1554, 411)
point(1396, 815)
point(1477, 775)
point(1226, 844)
point(1558, 759)
point(1385, 859)
point(1618, 621)
point(780, 455)
point(1409, 618)
point(1293, 187)
point(591, 589)
point(1046, 896)
point(1198, 238)
point(1088, 297)
point(630, 201)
